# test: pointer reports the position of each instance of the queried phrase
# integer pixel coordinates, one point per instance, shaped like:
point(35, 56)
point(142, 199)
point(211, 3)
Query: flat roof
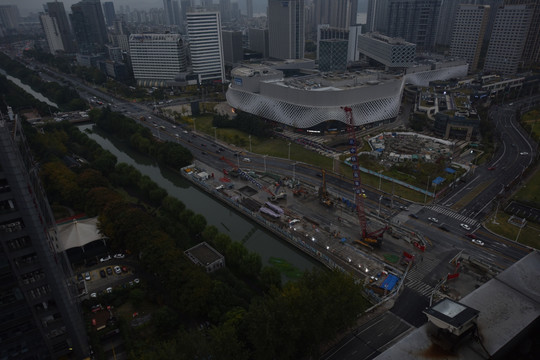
point(204, 254)
point(509, 304)
point(452, 312)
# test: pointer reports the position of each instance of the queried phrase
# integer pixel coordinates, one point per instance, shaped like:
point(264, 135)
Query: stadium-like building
point(308, 101)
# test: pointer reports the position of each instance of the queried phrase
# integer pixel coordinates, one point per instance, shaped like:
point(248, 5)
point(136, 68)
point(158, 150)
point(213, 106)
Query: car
point(109, 270)
point(119, 256)
point(221, 149)
point(203, 153)
point(523, 153)
point(87, 276)
point(293, 221)
point(491, 168)
point(93, 295)
point(432, 219)
point(109, 290)
point(176, 135)
point(444, 228)
point(465, 226)
point(478, 242)
point(136, 280)
point(246, 160)
point(471, 235)
point(174, 126)
point(203, 145)
point(117, 270)
point(102, 273)
point(106, 258)
point(80, 277)
point(184, 131)
point(124, 269)
point(403, 207)
point(414, 216)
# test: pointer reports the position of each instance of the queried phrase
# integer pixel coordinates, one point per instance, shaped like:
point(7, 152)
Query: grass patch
point(530, 234)
point(530, 193)
point(471, 195)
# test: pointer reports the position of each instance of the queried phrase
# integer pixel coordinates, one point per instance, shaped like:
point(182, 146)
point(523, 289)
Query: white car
point(465, 226)
point(93, 295)
point(109, 290)
point(246, 160)
point(87, 276)
point(136, 280)
point(106, 258)
point(478, 242)
point(117, 270)
point(524, 153)
point(432, 219)
point(119, 256)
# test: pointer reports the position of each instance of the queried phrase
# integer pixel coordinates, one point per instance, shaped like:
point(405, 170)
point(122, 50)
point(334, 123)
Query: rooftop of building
point(508, 305)
point(203, 254)
point(387, 39)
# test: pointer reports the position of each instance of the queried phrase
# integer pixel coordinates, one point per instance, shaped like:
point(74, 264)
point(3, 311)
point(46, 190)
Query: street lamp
point(194, 125)
point(380, 198)
point(519, 232)
point(380, 178)
point(289, 144)
point(249, 137)
point(264, 159)
point(427, 185)
point(293, 171)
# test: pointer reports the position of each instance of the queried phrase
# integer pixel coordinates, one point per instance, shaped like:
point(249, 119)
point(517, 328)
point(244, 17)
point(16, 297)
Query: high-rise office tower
point(258, 40)
point(531, 51)
point(508, 38)
point(377, 16)
point(232, 47)
point(108, 11)
point(468, 33)
point(89, 25)
point(166, 61)
point(56, 10)
point(225, 10)
point(185, 7)
point(336, 13)
point(52, 33)
point(9, 18)
point(205, 44)
point(414, 20)
point(249, 8)
point(40, 317)
point(286, 29)
point(172, 12)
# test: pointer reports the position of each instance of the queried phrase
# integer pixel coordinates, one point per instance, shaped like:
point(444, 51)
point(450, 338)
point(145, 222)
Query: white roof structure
point(78, 232)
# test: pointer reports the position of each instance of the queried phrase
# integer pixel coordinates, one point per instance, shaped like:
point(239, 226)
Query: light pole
point(289, 144)
point(293, 171)
point(427, 185)
point(215, 133)
point(380, 178)
point(380, 198)
point(194, 125)
point(264, 159)
point(249, 136)
point(519, 232)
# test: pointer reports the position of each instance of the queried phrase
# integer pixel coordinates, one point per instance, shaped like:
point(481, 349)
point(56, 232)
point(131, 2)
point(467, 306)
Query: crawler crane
point(368, 239)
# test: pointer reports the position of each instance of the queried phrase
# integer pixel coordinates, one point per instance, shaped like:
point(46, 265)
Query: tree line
point(249, 312)
point(66, 97)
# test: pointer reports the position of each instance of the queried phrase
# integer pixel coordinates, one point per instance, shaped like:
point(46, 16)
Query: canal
point(28, 89)
point(229, 222)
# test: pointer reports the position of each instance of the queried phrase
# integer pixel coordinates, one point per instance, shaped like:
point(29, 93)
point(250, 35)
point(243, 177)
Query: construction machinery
point(324, 198)
point(241, 173)
point(369, 239)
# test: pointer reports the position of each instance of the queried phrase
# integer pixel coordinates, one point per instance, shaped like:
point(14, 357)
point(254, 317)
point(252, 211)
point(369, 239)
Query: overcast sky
point(27, 6)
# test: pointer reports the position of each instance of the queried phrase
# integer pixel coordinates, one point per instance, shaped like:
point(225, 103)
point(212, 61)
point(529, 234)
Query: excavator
point(324, 198)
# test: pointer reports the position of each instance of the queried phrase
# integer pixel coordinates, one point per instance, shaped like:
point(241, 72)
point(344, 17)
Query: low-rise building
point(206, 256)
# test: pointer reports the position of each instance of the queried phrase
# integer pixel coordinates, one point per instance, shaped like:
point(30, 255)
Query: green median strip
point(471, 195)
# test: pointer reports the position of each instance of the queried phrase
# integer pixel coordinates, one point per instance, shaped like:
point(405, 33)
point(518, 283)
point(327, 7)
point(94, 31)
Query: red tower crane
point(244, 174)
point(373, 238)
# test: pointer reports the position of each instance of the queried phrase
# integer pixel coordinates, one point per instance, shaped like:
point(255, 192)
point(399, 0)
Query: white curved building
point(304, 102)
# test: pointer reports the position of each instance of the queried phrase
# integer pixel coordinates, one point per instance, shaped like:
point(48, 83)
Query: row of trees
point(65, 97)
point(141, 138)
point(245, 122)
point(250, 313)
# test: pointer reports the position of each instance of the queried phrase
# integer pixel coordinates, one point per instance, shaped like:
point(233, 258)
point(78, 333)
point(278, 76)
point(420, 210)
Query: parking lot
point(105, 277)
